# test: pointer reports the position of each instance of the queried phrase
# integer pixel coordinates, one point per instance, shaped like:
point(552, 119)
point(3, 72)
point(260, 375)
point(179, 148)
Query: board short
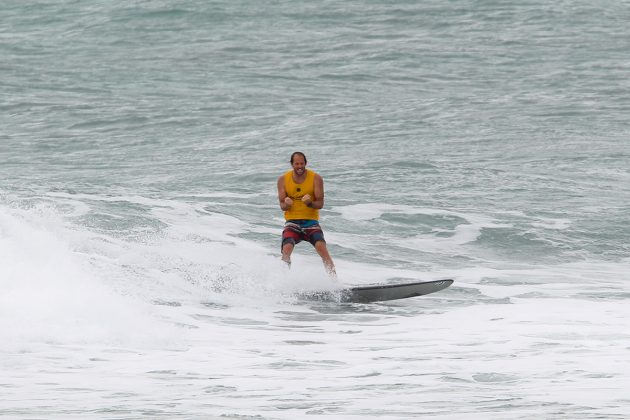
point(296, 231)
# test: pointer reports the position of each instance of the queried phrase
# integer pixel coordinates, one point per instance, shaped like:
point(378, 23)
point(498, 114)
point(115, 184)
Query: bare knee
point(320, 246)
point(287, 249)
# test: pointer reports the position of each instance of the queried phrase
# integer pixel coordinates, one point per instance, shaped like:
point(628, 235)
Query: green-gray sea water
point(484, 141)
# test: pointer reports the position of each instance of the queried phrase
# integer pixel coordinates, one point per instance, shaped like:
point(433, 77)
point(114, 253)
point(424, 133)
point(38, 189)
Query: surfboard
point(379, 293)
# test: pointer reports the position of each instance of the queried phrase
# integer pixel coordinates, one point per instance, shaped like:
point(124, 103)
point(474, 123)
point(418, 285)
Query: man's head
point(294, 154)
point(298, 162)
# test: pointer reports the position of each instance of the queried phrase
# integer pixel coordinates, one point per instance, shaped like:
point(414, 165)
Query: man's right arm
point(283, 199)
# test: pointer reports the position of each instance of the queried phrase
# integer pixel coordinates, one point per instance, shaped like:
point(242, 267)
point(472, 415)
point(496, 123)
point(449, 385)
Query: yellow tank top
point(299, 210)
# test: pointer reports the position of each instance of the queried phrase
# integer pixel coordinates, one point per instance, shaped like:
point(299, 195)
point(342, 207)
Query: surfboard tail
point(379, 293)
point(366, 294)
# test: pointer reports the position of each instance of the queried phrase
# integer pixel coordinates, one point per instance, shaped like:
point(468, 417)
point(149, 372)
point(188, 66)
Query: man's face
point(298, 164)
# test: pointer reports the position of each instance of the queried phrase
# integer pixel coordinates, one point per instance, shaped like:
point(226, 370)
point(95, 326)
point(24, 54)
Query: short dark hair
point(298, 153)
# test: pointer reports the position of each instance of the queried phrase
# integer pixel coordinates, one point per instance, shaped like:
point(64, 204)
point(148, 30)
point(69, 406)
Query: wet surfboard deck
point(379, 293)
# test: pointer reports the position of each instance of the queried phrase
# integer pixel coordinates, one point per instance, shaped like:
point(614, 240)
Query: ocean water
point(484, 141)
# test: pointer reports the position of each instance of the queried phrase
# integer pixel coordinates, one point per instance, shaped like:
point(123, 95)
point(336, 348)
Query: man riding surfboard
point(301, 196)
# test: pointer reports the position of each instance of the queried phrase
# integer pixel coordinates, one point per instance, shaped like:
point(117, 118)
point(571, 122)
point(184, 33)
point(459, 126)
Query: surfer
point(301, 195)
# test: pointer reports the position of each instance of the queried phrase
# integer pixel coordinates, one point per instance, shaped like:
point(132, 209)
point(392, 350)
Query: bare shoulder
point(319, 182)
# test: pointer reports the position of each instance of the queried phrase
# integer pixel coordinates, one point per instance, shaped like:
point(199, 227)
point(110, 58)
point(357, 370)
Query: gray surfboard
point(379, 293)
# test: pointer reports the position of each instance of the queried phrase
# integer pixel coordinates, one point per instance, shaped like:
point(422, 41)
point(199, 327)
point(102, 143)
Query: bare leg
point(287, 249)
point(320, 247)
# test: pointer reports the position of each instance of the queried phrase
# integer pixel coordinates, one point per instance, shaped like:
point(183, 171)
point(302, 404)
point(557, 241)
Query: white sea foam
point(199, 311)
point(370, 211)
point(51, 295)
point(438, 241)
point(548, 223)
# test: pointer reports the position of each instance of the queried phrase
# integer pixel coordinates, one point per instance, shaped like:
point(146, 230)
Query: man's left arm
point(317, 201)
